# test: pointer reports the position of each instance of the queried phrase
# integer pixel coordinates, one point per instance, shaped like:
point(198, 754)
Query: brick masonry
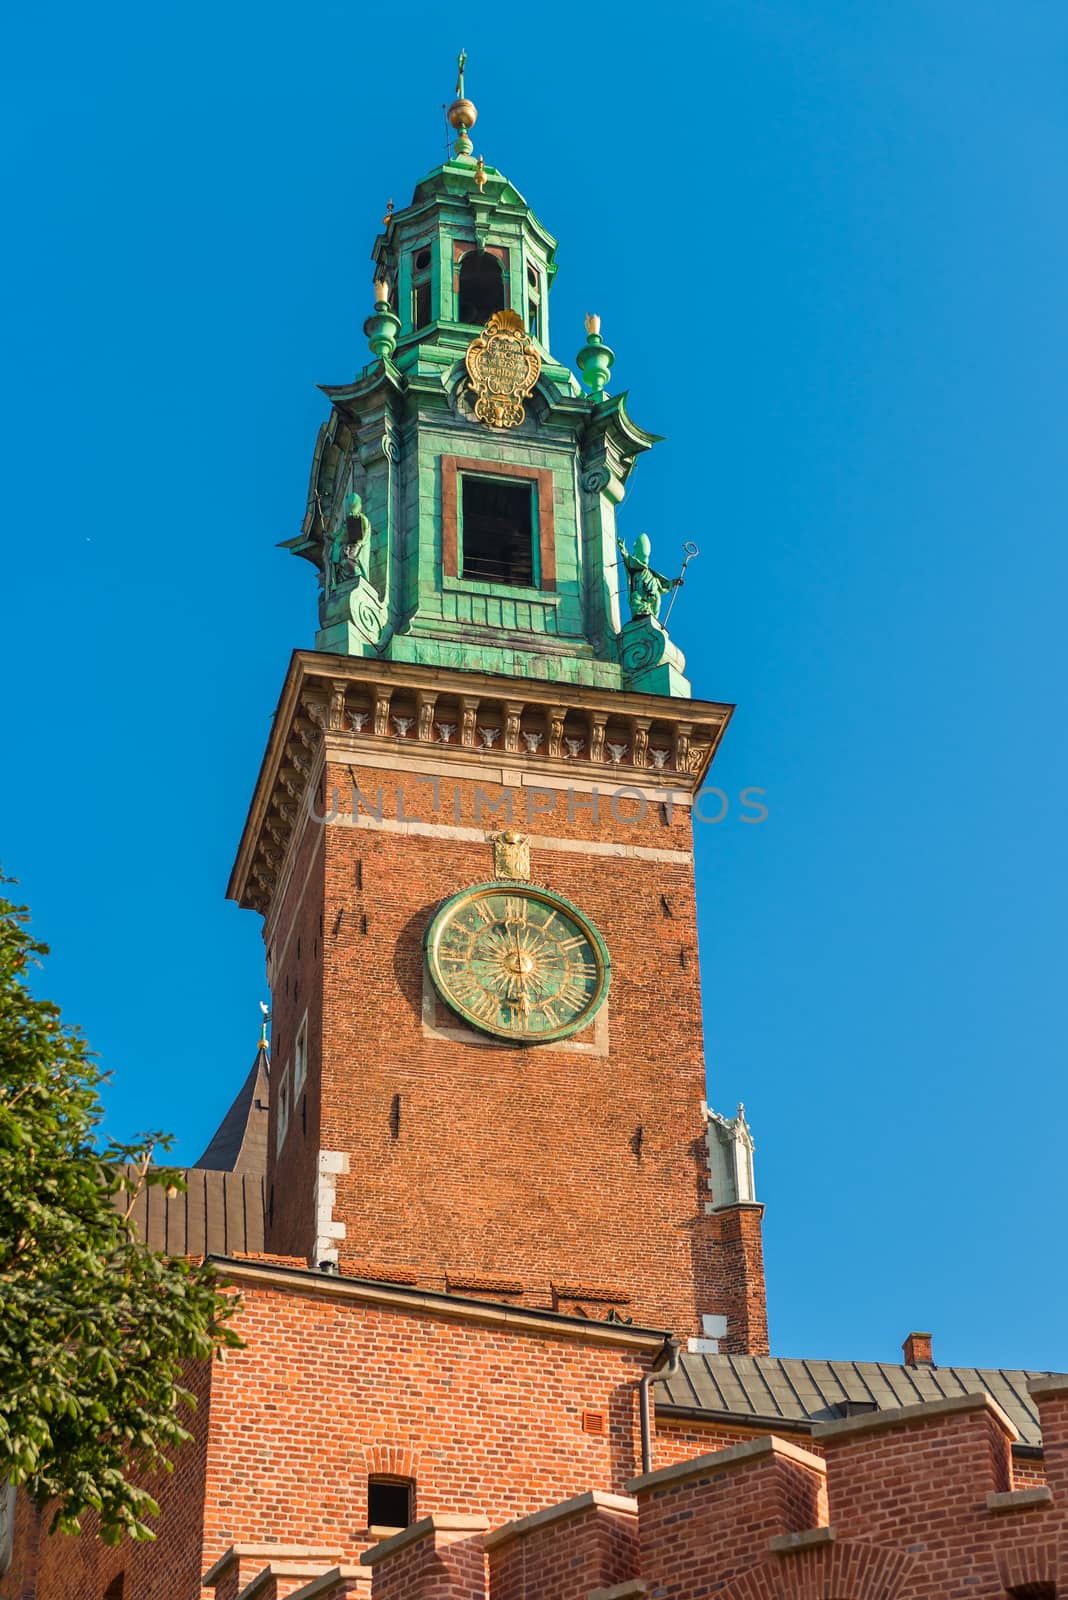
point(575, 1173)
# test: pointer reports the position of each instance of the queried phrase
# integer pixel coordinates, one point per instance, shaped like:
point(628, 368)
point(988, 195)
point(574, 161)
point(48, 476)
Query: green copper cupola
point(463, 494)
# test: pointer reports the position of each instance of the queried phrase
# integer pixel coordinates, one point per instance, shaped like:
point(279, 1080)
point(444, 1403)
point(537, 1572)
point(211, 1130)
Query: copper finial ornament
point(480, 174)
point(388, 218)
point(462, 114)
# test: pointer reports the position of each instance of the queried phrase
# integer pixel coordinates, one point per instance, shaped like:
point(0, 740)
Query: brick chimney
point(917, 1350)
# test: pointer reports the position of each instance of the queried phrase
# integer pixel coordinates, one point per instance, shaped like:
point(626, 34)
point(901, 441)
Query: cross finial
point(462, 114)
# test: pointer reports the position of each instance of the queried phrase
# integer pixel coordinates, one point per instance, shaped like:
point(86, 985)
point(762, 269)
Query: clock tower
point(471, 837)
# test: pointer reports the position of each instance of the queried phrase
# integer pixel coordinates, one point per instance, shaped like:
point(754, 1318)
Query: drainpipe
point(666, 1363)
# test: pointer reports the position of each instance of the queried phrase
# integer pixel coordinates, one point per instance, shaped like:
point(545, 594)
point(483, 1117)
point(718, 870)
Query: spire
point(266, 1017)
point(463, 113)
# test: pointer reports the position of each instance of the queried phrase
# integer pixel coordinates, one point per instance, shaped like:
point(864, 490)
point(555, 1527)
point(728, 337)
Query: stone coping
point(1047, 1388)
point(922, 1411)
point(592, 1499)
point(269, 1552)
point(752, 1452)
point(790, 1544)
point(330, 1579)
point(437, 1522)
point(436, 1301)
point(628, 1590)
point(1020, 1499)
point(280, 1569)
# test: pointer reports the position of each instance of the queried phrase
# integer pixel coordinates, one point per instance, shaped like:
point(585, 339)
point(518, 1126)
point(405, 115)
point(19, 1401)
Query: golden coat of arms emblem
point(503, 366)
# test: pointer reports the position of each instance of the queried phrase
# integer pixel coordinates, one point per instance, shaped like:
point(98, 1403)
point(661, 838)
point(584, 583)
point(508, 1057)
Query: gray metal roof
point(770, 1390)
point(220, 1213)
point(239, 1143)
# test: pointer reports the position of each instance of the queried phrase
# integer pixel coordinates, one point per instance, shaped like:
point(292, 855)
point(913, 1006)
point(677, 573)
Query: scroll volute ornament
point(503, 367)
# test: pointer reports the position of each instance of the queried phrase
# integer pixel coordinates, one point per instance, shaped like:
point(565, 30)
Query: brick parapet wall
point(441, 1558)
point(682, 1438)
point(941, 1459)
point(702, 1522)
point(919, 1502)
point(1051, 1397)
point(588, 1542)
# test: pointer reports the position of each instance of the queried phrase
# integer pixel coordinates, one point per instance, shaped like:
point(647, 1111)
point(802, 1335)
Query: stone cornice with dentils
point(325, 697)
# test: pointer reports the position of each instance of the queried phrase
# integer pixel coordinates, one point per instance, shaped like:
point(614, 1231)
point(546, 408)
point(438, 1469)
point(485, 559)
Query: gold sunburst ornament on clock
point(519, 963)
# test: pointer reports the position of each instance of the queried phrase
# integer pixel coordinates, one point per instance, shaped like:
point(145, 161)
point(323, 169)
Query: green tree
point(96, 1330)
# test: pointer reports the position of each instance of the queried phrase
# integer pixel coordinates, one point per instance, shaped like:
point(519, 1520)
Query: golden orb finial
point(463, 113)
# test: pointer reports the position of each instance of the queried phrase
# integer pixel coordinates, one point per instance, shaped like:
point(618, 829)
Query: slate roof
point(773, 1392)
point(239, 1144)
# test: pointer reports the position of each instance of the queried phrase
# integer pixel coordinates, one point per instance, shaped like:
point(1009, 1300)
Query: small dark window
point(481, 287)
point(498, 530)
point(115, 1588)
point(421, 304)
point(390, 1502)
point(421, 288)
point(533, 303)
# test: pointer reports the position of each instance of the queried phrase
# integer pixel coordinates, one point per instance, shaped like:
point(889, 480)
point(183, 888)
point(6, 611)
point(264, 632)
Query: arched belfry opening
point(481, 287)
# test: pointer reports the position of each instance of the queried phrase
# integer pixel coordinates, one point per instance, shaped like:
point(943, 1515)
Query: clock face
point(517, 962)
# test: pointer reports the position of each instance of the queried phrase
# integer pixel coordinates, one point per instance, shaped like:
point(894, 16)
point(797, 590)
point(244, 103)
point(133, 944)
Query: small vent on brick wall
point(359, 875)
point(363, 921)
point(394, 1117)
point(337, 920)
point(594, 1422)
point(665, 906)
point(637, 1139)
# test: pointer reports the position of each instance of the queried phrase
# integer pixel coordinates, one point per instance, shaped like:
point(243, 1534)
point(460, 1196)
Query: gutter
point(666, 1363)
point(464, 1308)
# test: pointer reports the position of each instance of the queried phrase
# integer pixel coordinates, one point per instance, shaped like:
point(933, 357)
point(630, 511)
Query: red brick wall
point(442, 1562)
point(482, 1160)
point(678, 1439)
point(295, 956)
point(700, 1531)
point(486, 1420)
point(675, 1441)
point(595, 1548)
point(937, 1470)
point(168, 1569)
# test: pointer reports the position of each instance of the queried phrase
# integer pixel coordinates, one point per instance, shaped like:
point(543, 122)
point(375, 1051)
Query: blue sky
point(828, 244)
